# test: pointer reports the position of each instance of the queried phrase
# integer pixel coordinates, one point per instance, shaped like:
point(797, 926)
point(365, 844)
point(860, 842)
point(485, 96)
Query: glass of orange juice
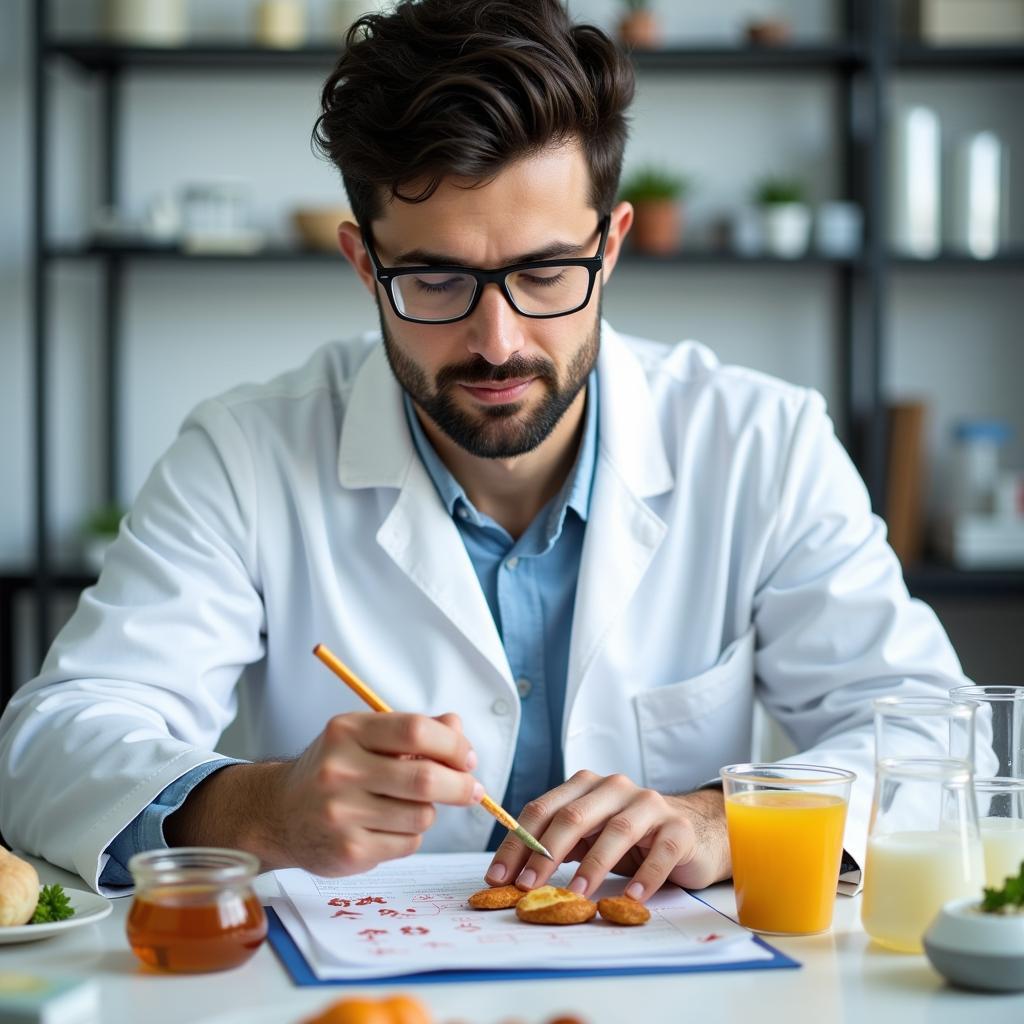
point(786, 838)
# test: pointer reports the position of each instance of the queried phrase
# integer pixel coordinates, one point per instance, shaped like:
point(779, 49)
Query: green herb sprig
point(53, 905)
point(1008, 899)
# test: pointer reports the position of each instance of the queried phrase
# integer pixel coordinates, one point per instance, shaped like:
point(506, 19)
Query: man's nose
point(495, 328)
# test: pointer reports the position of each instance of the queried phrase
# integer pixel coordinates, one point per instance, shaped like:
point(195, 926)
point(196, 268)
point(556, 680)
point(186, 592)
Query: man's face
point(496, 383)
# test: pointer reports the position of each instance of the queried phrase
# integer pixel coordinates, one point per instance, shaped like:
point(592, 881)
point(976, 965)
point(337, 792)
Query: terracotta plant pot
point(768, 32)
point(640, 31)
point(657, 226)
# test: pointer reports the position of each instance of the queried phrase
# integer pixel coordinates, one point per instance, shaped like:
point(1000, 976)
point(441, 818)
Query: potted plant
point(785, 217)
point(98, 532)
point(655, 195)
point(638, 27)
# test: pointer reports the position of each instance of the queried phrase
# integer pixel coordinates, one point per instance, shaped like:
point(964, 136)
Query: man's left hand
point(609, 824)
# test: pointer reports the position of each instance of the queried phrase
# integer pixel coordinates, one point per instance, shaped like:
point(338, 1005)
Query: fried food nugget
point(623, 910)
point(496, 897)
point(552, 905)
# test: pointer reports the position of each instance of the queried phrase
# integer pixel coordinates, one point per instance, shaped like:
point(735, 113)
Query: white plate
point(89, 908)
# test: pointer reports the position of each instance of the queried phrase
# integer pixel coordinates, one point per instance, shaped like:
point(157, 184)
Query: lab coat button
point(524, 686)
point(500, 707)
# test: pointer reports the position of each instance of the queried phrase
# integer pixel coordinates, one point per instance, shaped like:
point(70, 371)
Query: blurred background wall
point(193, 328)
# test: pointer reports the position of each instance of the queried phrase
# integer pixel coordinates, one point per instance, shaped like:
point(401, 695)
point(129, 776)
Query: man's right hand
point(361, 793)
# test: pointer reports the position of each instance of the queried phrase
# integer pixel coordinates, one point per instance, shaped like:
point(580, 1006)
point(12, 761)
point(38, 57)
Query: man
point(596, 550)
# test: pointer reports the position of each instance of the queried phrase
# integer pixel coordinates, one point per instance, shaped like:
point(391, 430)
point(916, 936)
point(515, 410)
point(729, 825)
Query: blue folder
point(302, 974)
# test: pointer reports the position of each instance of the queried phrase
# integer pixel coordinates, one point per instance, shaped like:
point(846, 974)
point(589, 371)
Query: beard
point(498, 431)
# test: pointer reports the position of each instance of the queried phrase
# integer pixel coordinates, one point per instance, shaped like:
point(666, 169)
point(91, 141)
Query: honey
point(195, 929)
point(194, 910)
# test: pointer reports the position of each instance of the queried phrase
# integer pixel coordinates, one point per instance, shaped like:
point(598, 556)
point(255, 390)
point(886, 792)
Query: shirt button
point(463, 512)
point(524, 686)
point(511, 563)
point(500, 707)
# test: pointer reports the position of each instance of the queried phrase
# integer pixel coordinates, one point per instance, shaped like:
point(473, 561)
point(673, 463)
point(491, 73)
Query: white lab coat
point(730, 553)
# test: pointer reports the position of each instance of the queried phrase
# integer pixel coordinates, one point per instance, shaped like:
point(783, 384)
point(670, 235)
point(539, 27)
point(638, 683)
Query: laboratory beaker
point(924, 847)
point(999, 724)
point(929, 727)
point(1001, 823)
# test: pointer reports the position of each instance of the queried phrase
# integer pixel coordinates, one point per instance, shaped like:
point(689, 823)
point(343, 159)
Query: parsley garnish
point(1008, 899)
point(53, 905)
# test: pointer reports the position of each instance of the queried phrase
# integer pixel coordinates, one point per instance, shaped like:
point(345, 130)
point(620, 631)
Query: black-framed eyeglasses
point(441, 294)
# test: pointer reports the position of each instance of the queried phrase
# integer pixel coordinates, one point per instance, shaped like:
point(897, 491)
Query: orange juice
point(786, 847)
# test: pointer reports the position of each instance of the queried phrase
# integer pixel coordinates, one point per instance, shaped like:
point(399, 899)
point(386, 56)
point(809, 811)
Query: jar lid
point(983, 430)
point(191, 864)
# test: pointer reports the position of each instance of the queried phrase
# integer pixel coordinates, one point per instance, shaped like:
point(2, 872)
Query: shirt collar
point(575, 492)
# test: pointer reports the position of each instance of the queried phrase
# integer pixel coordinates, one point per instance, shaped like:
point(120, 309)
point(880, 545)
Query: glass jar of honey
point(195, 909)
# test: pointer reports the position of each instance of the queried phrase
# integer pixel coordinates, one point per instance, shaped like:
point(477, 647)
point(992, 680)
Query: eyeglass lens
point(542, 291)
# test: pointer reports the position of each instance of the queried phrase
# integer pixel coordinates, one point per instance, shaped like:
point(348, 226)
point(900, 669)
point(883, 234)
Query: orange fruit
point(353, 1011)
point(406, 1010)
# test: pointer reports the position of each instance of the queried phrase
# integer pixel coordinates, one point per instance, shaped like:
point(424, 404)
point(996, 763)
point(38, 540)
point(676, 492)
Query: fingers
point(386, 814)
point(395, 733)
point(512, 855)
point(617, 812)
point(422, 780)
point(665, 845)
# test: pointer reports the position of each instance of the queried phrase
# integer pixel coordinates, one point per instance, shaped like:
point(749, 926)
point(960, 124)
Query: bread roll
point(19, 890)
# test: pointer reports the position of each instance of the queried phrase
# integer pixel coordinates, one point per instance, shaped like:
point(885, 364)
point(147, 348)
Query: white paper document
point(411, 915)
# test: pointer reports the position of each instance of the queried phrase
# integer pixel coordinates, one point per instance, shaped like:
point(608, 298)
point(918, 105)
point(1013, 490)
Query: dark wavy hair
point(442, 88)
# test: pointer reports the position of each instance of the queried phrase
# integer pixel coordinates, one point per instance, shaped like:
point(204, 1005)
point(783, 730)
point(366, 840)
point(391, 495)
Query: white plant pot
point(146, 22)
point(94, 549)
point(787, 229)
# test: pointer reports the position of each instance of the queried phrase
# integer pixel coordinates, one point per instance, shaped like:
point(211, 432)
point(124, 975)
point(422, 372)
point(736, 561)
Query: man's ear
point(350, 242)
point(620, 221)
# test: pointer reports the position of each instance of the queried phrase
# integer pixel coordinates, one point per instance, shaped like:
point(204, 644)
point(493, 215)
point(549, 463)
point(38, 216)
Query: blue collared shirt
point(530, 587)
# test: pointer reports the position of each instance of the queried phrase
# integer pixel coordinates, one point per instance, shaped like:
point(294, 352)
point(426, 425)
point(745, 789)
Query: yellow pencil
point(347, 676)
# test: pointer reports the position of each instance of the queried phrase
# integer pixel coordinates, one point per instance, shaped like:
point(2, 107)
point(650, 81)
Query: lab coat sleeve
point(140, 683)
point(835, 624)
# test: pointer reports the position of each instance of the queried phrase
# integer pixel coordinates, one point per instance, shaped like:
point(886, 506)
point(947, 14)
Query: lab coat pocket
point(690, 729)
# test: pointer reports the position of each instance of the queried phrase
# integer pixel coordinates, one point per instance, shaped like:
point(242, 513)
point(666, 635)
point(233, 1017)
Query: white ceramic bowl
point(977, 950)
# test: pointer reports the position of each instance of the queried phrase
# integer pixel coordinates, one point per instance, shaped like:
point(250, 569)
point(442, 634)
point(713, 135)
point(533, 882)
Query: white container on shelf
point(974, 474)
point(146, 22)
point(915, 184)
point(786, 228)
point(979, 222)
point(838, 229)
point(281, 24)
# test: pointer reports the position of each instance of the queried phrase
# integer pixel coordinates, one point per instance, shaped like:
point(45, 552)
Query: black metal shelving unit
point(862, 65)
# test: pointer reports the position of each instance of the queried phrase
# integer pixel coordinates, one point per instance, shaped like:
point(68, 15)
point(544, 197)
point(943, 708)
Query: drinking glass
point(786, 826)
point(1000, 729)
point(924, 846)
point(1001, 823)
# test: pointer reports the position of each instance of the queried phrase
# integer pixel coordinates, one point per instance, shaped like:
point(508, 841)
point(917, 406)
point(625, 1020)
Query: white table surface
point(843, 978)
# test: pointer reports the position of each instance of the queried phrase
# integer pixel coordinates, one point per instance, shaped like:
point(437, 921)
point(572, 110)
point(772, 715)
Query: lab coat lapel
point(623, 533)
point(417, 533)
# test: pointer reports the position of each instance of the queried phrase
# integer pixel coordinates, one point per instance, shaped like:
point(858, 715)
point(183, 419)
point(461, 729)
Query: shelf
point(918, 57)
point(1007, 258)
point(934, 579)
point(103, 56)
point(286, 254)
point(927, 579)
point(752, 58)
point(66, 577)
point(138, 251)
